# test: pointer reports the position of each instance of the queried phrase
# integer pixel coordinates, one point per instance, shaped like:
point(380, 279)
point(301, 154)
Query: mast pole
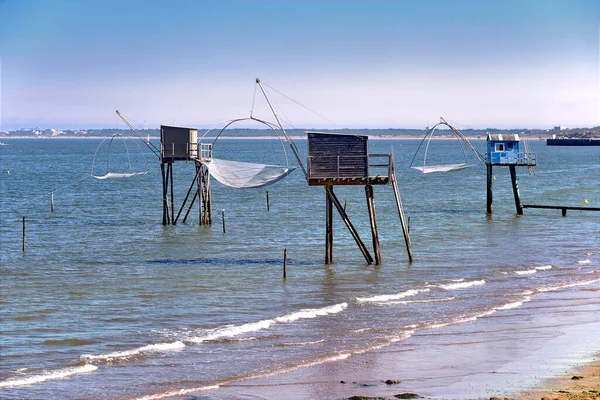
point(287, 137)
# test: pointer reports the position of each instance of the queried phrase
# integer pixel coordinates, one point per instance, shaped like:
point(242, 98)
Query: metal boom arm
point(152, 147)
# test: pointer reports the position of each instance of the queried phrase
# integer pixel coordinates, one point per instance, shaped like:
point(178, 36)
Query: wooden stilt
point(172, 190)
point(165, 198)
point(401, 215)
point(205, 193)
point(373, 220)
point(52, 200)
point(489, 189)
point(351, 228)
point(515, 187)
point(328, 229)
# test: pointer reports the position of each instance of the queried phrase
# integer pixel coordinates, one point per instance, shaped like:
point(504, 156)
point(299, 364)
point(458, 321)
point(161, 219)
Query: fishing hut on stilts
point(505, 150)
point(335, 159)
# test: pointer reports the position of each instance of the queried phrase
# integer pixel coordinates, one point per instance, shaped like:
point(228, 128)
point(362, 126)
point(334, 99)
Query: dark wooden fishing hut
point(181, 144)
point(336, 159)
point(505, 150)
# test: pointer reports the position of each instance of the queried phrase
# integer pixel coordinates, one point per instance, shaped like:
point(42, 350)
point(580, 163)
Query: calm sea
point(107, 303)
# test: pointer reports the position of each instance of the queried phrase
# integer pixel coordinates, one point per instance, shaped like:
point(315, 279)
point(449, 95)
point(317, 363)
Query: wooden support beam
point(328, 229)
point(351, 228)
point(170, 170)
point(515, 186)
point(186, 197)
point(164, 195)
point(373, 220)
point(401, 215)
point(489, 189)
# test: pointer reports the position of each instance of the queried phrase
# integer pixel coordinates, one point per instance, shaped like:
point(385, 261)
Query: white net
point(240, 175)
point(116, 175)
point(441, 168)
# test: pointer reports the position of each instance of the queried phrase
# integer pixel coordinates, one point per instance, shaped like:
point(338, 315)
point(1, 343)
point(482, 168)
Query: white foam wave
point(235, 330)
point(179, 392)
point(552, 288)
point(421, 301)
point(462, 285)
point(515, 304)
point(526, 271)
point(389, 297)
point(129, 353)
point(584, 262)
point(48, 375)
point(544, 267)
point(312, 313)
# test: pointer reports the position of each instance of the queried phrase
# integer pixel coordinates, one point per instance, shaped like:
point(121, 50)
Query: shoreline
point(583, 383)
point(304, 137)
point(501, 356)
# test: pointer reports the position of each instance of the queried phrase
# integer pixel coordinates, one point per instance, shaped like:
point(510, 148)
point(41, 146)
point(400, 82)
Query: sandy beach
point(584, 384)
point(507, 355)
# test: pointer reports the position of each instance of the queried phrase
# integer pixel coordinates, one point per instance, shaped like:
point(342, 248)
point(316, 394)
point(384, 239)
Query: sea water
point(106, 303)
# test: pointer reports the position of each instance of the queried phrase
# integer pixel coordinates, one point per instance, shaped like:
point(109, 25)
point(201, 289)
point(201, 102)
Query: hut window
point(499, 146)
point(509, 146)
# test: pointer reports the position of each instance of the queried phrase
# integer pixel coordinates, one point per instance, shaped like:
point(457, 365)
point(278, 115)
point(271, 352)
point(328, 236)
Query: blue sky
point(376, 64)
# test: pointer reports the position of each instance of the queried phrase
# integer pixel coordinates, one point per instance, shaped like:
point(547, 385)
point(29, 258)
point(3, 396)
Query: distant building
point(560, 128)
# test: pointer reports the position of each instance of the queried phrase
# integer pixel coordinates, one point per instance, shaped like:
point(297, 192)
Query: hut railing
point(526, 158)
point(380, 163)
point(205, 151)
point(349, 167)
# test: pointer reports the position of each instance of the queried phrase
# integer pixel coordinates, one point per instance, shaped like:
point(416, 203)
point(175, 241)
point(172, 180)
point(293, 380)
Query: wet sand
point(583, 384)
point(524, 353)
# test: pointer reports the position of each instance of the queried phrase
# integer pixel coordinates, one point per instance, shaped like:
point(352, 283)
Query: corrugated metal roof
point(503, 137)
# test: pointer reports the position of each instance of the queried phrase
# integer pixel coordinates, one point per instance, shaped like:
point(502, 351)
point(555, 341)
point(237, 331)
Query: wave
point(292, 344)
point(533, 270)
point(515, 304)
point(584, 261)
point(526, 271)
point(134, 352)
point(48, 375)
point(422, 301)
point(568, 285)
point(178, 392)
point(462, 285)
point(389, 297)
point(235, 330)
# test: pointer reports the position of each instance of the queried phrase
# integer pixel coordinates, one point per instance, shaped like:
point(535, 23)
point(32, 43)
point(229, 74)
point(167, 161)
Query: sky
point(69, 64)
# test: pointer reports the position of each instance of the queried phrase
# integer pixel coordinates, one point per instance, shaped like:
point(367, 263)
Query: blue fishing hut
point(505, 150)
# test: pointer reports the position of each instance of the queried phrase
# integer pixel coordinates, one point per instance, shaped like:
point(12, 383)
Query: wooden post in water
point(23, 234)
point(52, 200)
point(285, 263)
point(328, 229)
point(223, 218)
point(373, 220)
point(515, 187)
point(268, 202)
point(489, 189)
